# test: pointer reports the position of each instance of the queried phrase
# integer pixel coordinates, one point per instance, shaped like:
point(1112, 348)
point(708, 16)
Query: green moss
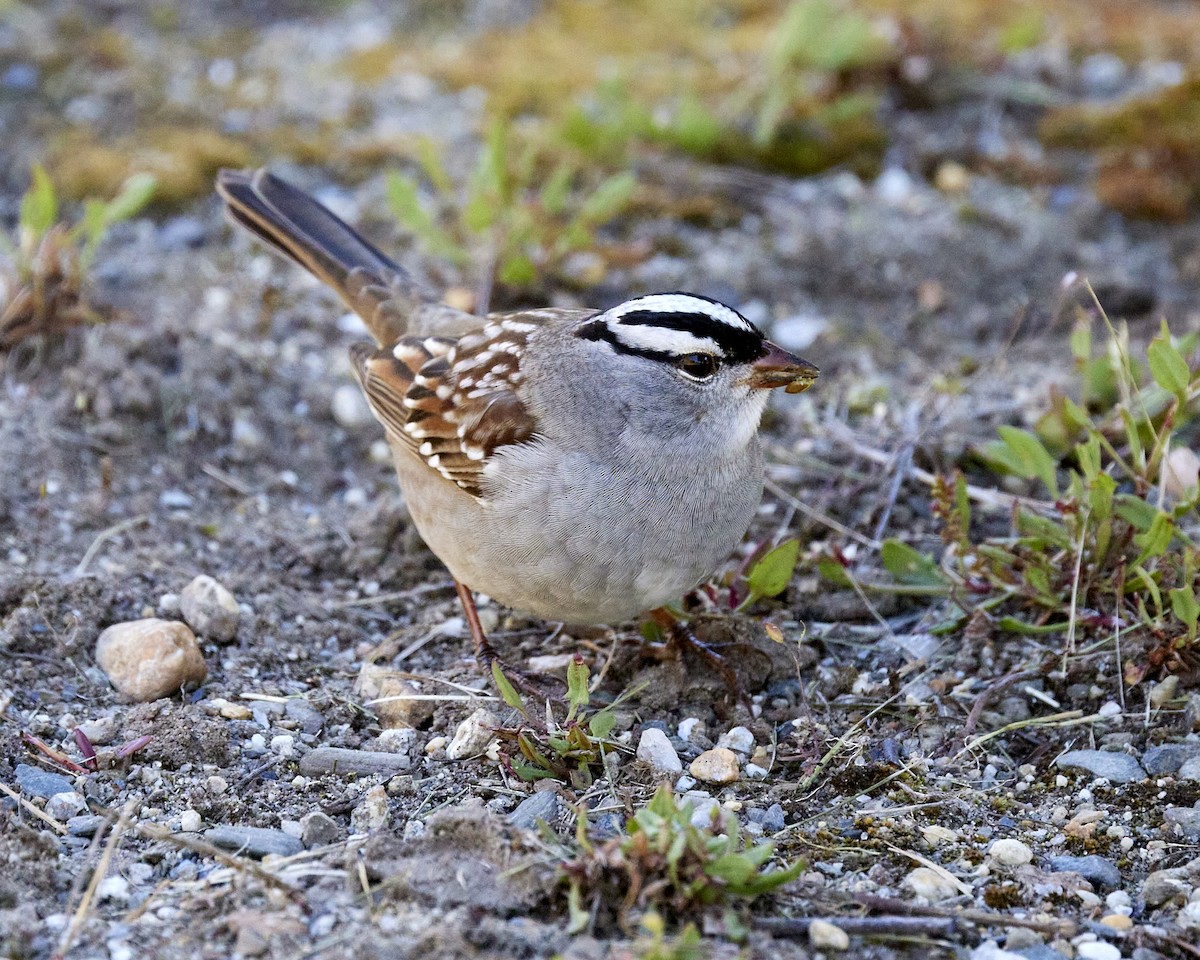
point(183, 159)
point(1149, 150)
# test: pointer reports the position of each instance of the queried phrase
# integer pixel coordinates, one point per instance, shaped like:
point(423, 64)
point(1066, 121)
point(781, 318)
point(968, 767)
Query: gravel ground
point(212, 430)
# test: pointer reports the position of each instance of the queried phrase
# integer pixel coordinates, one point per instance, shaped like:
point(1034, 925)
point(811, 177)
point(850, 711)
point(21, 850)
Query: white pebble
point(739, 740)
point(1010, 853)
point(1097, 950)
point(189, 821)
point(655, 749)
point(210, 609)
point(824, 935)
point(473, 735)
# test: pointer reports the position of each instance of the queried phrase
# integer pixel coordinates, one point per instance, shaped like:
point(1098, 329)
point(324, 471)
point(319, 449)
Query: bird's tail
point(295, 225)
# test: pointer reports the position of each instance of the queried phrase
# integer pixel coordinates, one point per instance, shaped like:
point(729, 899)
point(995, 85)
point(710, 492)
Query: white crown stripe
point(664, 340)
point(681, 303)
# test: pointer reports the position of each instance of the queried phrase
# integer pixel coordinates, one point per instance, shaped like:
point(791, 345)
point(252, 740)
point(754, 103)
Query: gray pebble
point(1114, 767)
point(773, 819)
point(543, 805)
point(1184, 819)
point(1167, 759)
point(340, 760)
point(1190, 769)
point(254, 841)
point(317, 829)
point(304, 713)
point(1164, 885)
point(1040, 951)
point(181, 233)
point(1096, 870)
point(85, 825)
point(41, 783)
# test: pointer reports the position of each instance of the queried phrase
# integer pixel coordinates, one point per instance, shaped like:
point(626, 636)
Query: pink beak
point(778, 368)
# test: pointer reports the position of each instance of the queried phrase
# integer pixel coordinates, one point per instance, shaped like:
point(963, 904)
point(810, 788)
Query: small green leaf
point(137, 191)
point(508, 692)
point(609, 199)
point(1081, 339)
point(39, 206)
point(772, 573)
point(1032, 459)
point(517, 270)
point(1167, 366)
point(556, 190)
point(577, 687)
point(601, 724)
point(1185, 607)
point(734, 868)
point(909, 566)
point(834, 572)
point(1135, 511)
point(1154, 542)
point(1013, 625)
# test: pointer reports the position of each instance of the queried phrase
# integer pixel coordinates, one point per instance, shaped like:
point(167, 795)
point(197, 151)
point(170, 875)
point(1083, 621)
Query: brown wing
point(451, 402)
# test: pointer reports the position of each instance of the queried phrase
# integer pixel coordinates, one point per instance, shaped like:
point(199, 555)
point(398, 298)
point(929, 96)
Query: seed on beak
point(778, 368)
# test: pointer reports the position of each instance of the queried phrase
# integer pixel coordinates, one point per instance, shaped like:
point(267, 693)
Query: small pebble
point(151, 658)
point(349, 407)
point(1009, 852)
point(473, 735)
point(755, 772)
point(189, 821)
point(1163, 885)
point(284, 745)
point(36, 782)
point(435, 744)
point(703, 809)
point(543, 805)
point(935, 835)
point(1117, 921)
point(719, 766)
point(372, 813)
point(389, 695)
point(655, 749)
point(1094, 869)
point(317, 829)
point(253, 841)
point(930, 884)
point(1183, 821)
point(1189, 769)
point(1115, 767)
point(1097, 950)
point(85, 825)
point(824, 935)
point(210, 609)
point(739, 740)
point(687, 726)
point(63, 806)
point(344, 762)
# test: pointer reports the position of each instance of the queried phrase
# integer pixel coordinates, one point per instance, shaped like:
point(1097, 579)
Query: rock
point(63, 806)
point(755, 772)
point(372, 812)
point(930, 884)
point(100, 731)
point(1167, 759)
point(550, 663)
point(1184, 821)
point(318, 830)
point(543, 805)
point(655, 749)
point(773, 819)
point(473, 735)
point(210, 609)
point(85, 825)
point(935, 835)
point(152, 658)
point(1117, 921)
point(309, 717)
point(688, 726)
point(340, 760)
point(1095, 870)
point(1190, 769)
point(1164, 885)
point(1008, 852)
point(390, 695)
point(1114, 767)
point(703, 809)
point(739, 740)
point(253, 841)
point(719, 766)
point(190, 822)
point(37, 782)
point(1097, 950)
point(824, 935)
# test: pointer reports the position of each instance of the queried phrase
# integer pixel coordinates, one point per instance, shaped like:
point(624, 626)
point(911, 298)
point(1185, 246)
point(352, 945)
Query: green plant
point(569, 749)
point(49, 260)
point(523, 211)
point(666, 864)
point(1108, 554)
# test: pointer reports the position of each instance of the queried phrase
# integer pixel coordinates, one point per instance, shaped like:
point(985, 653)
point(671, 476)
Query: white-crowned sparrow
point(577, 465)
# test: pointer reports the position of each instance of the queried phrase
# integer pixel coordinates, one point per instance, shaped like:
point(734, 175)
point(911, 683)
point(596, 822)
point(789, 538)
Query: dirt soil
point(211, 428)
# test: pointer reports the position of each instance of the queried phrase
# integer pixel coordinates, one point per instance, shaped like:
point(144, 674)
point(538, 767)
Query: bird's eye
point(697, 366)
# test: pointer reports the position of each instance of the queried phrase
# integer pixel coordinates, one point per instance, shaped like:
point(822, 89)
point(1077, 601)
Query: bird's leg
point(486, 654)
point(680, 636)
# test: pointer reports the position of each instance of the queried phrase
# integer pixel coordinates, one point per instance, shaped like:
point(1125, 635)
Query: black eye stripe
point(737, 345)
